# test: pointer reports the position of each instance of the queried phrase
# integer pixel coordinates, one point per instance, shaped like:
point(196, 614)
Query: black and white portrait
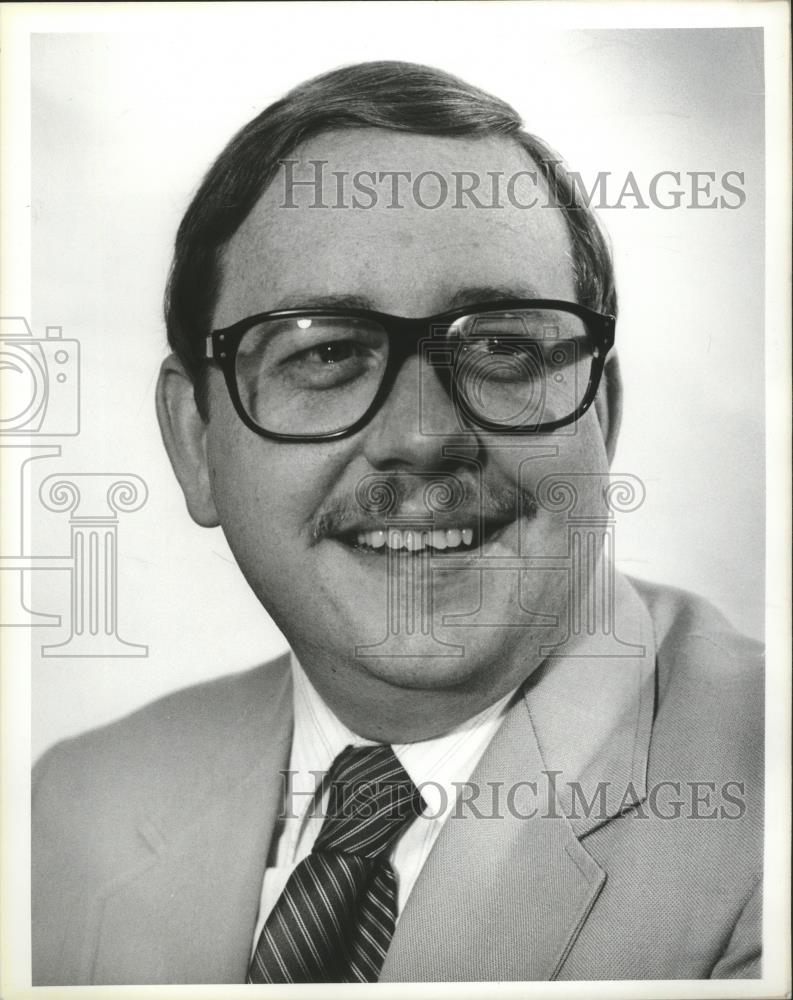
point(386, 512)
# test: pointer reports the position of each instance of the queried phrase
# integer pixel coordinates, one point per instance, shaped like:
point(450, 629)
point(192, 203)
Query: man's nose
point(414, 423)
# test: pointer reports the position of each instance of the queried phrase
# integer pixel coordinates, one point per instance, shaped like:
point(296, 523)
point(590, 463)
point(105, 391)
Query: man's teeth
point(414, 541)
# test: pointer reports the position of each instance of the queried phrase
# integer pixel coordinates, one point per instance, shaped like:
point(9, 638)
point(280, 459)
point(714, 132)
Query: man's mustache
point(442, 500)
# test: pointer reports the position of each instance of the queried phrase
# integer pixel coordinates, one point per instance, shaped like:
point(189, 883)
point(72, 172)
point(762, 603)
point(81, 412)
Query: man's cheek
point(580, 458)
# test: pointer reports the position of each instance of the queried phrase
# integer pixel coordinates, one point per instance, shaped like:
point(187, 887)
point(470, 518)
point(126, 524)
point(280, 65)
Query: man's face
point(278, 502)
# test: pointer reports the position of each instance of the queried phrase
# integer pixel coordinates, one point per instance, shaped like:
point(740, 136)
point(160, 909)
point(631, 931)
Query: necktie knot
point(371, 800)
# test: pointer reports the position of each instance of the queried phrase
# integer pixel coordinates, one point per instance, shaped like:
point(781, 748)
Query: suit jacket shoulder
point(710, 685)
point(683, 893)
point(202, 733)
point(108, 800)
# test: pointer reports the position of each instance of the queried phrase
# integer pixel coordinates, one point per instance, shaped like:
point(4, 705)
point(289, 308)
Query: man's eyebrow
point(458, 300)
point(491, 293)
point(343, 301)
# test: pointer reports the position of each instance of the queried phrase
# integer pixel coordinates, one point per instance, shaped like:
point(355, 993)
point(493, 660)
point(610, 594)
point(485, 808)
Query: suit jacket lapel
point(499, 897)
point(593, 718)
point(503, 897)
point(187, 912)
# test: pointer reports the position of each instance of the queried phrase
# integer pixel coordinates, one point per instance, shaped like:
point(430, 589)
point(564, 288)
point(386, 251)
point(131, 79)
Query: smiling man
point(489, 756)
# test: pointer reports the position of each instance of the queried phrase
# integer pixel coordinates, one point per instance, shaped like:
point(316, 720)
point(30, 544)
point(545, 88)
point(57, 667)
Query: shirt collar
point(436, 766)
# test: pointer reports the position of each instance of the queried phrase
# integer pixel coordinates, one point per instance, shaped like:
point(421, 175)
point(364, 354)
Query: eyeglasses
point(512, 366)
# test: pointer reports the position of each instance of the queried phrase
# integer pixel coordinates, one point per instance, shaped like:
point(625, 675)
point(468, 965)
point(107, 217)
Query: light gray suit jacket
point(150, 835)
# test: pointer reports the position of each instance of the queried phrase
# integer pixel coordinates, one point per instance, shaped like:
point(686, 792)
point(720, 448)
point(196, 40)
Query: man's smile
point(415, 539)
point(478, 515)
point(466, 537)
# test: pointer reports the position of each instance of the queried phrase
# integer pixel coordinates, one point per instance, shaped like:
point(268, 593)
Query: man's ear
point(184, 435)
point(608, 405)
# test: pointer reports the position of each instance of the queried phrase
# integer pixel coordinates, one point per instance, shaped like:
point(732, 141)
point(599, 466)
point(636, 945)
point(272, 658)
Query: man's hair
point(403, 97)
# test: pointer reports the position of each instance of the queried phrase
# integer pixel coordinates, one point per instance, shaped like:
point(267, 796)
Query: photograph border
point(17, 23)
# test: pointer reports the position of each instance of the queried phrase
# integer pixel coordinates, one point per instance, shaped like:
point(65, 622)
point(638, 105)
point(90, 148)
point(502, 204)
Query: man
point(489, 756)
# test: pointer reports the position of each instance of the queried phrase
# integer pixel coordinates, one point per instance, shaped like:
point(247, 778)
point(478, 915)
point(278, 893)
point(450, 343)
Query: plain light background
point(124, 125)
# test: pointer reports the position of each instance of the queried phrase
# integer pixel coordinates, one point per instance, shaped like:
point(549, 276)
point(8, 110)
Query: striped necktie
point(334, 920)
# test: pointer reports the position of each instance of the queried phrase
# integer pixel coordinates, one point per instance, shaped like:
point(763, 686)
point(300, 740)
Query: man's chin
point(447, 658)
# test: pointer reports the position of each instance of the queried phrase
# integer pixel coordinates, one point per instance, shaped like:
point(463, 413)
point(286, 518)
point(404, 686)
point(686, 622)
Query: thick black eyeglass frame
point(404, 335)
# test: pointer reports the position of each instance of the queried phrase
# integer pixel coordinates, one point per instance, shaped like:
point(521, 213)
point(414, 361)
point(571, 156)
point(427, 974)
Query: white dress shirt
point(438, 767)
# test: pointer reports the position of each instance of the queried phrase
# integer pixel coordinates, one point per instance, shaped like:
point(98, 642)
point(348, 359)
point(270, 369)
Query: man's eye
point(330, 364)
point(331, 353)
point(494, 345)
point(494, 360)
point(497, 346)
point(335, 353)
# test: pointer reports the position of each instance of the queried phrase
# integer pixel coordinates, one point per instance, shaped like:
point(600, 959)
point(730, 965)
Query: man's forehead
point(385, 216)
point(454, 295)
point(384, 150)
